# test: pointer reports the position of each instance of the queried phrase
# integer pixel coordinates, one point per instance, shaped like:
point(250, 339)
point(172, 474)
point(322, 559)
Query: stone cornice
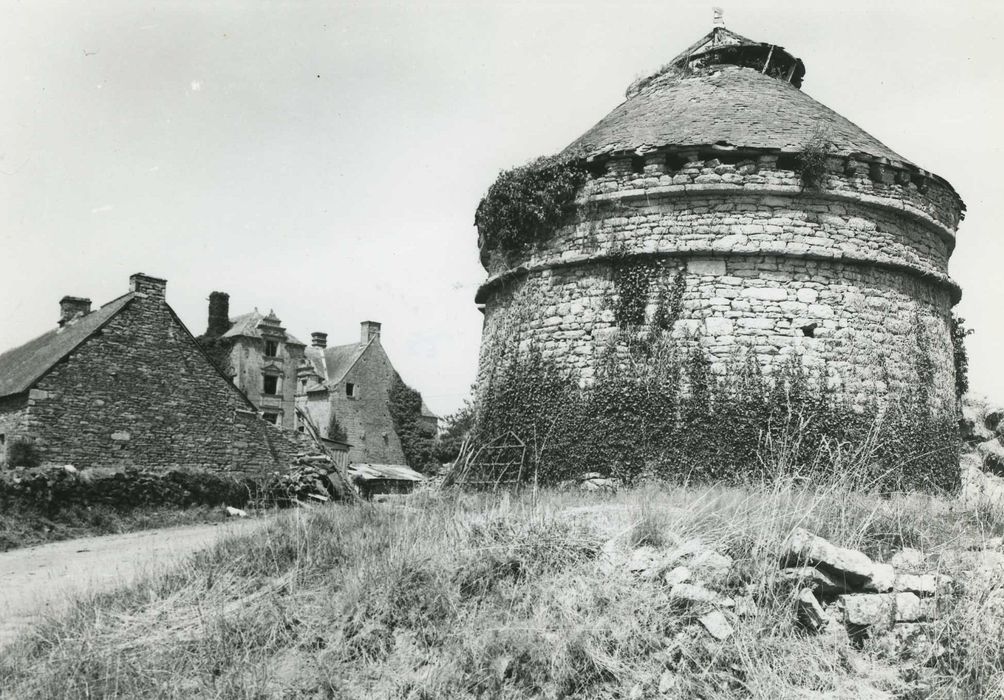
point(502, 279)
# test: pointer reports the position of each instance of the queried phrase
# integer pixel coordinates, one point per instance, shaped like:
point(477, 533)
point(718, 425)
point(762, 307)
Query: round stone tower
point(776, 227)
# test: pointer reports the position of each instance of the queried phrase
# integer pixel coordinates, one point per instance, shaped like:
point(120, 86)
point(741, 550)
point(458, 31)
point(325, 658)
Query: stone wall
point(365, 418)
point(851, 275)
point(140, 392)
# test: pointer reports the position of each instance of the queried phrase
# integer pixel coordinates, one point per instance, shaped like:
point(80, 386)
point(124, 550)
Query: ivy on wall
point(405, 406)
point(526, 204)
point(960, 354)
point(655, 410)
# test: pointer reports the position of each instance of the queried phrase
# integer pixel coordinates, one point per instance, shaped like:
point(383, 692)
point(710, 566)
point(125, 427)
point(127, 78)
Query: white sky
point(325, 159)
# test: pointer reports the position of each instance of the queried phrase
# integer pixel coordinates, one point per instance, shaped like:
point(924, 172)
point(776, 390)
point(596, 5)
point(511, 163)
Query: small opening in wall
point(350, 390)
point(809, 330)
point(271, 386)
point(596, 167)
point(272, 418)
point(637, 164)
point(787, 161)
point(675, 162)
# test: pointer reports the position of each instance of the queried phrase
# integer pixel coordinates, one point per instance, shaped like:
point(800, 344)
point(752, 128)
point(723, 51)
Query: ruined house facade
point(700, 180)
point(261, 358)
point(128, 385)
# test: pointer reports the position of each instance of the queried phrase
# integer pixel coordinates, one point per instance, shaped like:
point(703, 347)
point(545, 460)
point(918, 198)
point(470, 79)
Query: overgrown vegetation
point(654, 411)
point(526, 204)
point(466, 596)
point(405, 406)
point(454, 429)
point(22, 526)
point(51, 503)
point(335, 430)
point(23, 453)
point(811, 161)
point(960, 354)
point(218, 349)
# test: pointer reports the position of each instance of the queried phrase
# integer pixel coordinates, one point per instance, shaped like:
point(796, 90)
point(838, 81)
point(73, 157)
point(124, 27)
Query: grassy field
point(466, 596)
point(21, 527)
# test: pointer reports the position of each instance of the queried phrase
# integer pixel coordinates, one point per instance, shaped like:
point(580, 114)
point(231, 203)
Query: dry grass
point(465, 596)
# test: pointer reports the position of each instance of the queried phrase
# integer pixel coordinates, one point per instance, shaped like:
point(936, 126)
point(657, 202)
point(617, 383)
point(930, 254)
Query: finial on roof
point(719, 16)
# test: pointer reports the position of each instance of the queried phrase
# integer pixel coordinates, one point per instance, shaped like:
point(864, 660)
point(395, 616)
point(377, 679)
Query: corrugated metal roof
point(724, 104)
point(396, 472)
point(21, 367)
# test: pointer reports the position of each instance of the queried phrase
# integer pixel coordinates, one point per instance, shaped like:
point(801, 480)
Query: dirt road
point(41, 579)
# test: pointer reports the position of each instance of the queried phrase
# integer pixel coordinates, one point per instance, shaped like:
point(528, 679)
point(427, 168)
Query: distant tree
point(335, 430)
point(456, 427)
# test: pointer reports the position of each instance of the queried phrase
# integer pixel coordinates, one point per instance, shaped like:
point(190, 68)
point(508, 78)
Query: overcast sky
point(324, 159)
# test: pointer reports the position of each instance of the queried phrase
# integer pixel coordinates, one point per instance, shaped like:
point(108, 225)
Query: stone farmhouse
point(341, 391)
point(786, 230)
point(128, 385)
point(346, 389)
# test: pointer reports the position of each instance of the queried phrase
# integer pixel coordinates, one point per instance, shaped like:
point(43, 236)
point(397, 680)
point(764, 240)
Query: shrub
point(23, 453)
point(811, 162)
point(526, 204)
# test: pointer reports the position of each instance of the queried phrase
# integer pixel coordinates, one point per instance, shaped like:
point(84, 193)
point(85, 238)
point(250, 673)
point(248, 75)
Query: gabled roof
point(21, 367)
point(246, 326)
point(332, 364)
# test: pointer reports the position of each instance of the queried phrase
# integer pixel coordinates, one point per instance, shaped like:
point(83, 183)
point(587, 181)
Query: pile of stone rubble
point(835, 588)
point(844, 586)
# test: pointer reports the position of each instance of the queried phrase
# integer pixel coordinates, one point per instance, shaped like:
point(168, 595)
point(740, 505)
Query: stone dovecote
point(700, 175)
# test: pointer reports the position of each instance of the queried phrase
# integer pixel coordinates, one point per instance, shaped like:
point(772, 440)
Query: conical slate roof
point(709, 96)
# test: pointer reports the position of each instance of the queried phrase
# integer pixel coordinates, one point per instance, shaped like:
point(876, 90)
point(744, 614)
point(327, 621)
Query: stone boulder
point(849, 568)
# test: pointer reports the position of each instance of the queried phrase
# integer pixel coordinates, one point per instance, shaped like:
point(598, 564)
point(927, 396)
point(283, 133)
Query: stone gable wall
point(141, 393)
point(367, 419)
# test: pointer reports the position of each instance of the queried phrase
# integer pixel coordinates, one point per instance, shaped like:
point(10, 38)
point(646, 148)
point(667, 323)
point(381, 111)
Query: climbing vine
point(526, 204)
point(960, 354)
point(666, 414)
point(405, 406)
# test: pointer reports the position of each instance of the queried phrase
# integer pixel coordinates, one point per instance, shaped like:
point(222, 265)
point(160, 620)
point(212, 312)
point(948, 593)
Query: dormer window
point(271, 348)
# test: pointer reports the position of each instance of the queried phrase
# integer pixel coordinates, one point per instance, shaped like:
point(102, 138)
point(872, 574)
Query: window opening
point(271, 348)
point(272, 418)
point(350, 390)
point(271, 384)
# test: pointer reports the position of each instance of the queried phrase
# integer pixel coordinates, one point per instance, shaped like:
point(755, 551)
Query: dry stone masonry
point(782, 230)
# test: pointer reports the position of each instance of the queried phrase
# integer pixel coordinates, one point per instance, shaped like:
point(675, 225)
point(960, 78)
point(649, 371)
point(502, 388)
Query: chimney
point(319, 340)
point(73, 307)
point(153, 287)
point(370, 331)
point(219, 314)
